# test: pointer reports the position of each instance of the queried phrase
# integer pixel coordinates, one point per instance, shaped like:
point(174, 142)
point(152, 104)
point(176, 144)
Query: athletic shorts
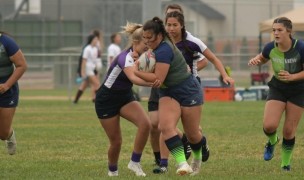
point(188, 93)
point(153, 100)
point(108, 102)
point(199, 79)
point(10, 98)
point(281, 91)
point(90, 69)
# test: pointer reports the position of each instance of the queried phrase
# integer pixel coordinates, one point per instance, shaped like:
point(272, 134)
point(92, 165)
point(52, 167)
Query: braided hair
point(180, 18)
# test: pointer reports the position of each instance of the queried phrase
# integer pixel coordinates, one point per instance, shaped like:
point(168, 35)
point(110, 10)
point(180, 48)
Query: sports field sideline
point(59, 140)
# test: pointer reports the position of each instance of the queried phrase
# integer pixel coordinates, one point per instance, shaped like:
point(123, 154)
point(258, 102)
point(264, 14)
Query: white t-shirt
point(113, 51)
point(90, 53)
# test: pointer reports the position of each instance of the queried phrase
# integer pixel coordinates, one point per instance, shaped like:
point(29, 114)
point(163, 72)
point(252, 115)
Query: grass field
point(58, 140)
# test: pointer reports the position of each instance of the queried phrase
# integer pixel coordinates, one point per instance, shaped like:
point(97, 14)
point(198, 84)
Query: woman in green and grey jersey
point(286, 88)
point(12, 67)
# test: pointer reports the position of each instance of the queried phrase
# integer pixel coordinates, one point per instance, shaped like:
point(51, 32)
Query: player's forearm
point(149, 77)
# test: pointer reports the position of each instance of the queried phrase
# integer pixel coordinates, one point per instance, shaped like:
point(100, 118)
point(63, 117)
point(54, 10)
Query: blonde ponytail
point(134, 31)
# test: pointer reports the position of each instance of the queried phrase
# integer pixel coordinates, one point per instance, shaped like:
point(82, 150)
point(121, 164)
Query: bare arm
point(111, 58)
point(218, 65)
point(257, 60)
point(286, 76)
point(130, 73)
point(202, 64)
point(159, 75)
point(83, 67)
point(20, 63)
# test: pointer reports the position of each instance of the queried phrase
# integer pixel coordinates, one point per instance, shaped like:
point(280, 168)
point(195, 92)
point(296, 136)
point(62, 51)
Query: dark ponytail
point(156, 25)
point(90, 38)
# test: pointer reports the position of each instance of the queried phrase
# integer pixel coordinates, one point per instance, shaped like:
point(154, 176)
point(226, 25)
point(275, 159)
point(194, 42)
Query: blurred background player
point(13, 65)
point(84, 82)
point(89, 63)
point(114, 48)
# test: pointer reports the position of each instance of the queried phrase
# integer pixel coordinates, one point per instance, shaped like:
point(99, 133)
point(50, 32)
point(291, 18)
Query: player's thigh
point(273, 113)
point(135, 113)
point(94, 82)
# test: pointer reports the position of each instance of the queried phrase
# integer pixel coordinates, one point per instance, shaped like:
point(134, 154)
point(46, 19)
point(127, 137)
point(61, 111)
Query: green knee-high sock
point(197, 149)
point(176, 148)
point(273, 137)
point(287, 148)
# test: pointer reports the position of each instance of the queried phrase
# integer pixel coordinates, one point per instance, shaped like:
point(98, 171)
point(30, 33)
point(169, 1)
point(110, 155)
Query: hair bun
point(157, 20)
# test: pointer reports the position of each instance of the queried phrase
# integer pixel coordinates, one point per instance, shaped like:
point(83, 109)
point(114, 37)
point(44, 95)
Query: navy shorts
point(108, 102)
point(153, 100)
point(292, 92)
point(10, 98)
point(188, 93)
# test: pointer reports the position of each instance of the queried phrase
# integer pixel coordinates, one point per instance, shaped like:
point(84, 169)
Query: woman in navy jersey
point(286, 89)
point(115, 99)
point(161, 159)
point(13, 65)
point(180, 96)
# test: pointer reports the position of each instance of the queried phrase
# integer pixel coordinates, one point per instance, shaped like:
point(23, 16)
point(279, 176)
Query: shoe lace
point(269, 147)
point(195, 165)
point(138, 168)
point(163, 169)
point(205, 148)
point(10, 143)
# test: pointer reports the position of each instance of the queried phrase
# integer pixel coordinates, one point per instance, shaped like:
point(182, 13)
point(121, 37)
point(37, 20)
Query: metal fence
point(51, 71)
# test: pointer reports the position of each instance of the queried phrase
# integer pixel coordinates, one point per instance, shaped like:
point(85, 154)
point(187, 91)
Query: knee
point(154, 127)
point(194, 137)
point(269, 128)
point(145, 126)
point(288, 132)
point(116, 143)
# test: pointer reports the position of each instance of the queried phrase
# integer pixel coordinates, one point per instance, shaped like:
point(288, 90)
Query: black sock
point(184, 138)
point(157, 157)
point(78, 95)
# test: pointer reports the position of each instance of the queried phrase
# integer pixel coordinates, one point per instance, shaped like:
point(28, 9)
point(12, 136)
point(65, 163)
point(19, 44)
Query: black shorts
point(188, 93)
point(153, 100)
point(10, 98)
point(281, 91)
point(108, 102)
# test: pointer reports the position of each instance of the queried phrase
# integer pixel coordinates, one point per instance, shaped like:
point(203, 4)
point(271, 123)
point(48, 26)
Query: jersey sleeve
point(266, 50)
point(164, 54)
point(112, 51)
point(200, 45)
point(86, 53)
point(301, 50)
point(9, 44)
point(129, 60)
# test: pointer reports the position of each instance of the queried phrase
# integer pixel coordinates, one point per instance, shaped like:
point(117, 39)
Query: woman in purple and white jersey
point(115, 99)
